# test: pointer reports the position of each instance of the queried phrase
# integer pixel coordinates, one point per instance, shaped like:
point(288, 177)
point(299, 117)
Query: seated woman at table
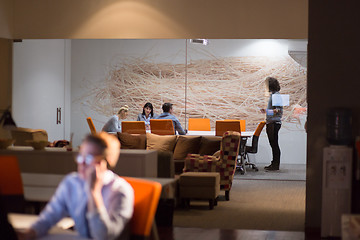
point(147, 114)
point(114, 123)
point(100, 202)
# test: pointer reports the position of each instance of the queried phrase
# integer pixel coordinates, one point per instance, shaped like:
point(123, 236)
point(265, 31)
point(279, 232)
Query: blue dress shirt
point(177, 125)
point(72, 198)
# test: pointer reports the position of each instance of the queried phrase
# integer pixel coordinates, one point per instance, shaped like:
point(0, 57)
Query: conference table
point(245, 134)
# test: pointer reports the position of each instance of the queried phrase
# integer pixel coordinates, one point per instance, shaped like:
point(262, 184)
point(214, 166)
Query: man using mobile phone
point(99, 201)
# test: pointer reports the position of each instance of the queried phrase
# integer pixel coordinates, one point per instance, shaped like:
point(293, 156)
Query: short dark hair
point(149, 105)
point(166, 107)
point(273, 84)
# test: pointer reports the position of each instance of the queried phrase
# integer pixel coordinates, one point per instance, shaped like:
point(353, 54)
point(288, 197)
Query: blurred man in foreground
point(98, 200)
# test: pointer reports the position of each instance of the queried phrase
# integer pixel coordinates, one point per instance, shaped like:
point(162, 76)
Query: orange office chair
point(11, 186)
point(147, 195)
point(242, 123)
point(162, 126)
point(199, 124)
point(222, 126)
point(91, 125)
point(133, 127)
point(252, 149)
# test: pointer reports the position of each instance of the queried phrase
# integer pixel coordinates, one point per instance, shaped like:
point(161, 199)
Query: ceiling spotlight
point(201, 41)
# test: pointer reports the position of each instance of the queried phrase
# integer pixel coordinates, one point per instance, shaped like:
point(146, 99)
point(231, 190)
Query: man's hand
point(96, 175)
point(96, 182)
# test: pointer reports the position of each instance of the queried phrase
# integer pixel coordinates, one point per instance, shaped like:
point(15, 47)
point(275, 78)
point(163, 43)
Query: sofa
point(172, 149)
point(22, 135)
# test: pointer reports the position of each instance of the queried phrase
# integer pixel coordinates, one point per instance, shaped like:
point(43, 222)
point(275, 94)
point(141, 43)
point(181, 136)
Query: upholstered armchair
point(225, 163)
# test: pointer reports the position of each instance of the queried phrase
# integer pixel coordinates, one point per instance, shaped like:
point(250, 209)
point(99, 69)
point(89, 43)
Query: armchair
point(225, 164)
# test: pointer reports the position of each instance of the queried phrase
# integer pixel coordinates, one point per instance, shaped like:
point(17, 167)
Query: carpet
point(290, 172)
point(259, 205)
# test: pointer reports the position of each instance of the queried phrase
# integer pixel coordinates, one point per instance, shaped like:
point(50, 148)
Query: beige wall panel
point(6, 18)
point(160, 19)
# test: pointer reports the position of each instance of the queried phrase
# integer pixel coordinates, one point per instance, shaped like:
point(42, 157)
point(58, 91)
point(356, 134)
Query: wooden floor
point(179, 233)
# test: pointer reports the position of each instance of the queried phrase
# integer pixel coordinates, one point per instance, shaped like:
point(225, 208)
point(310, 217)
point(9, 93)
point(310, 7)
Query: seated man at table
point(99, 201)
point(168, 114)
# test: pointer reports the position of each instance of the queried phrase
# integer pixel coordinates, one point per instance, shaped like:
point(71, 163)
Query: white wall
point(41, 85)
point(292, 142)
point(91, 58)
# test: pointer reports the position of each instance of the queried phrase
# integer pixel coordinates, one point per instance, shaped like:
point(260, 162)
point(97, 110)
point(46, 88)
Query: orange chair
point(222, 126)
point(242, 123)
point(162, 126)
point(199, 124)
point(147, 195)
point(133, 127)
point(11, 186)
point(91, 125)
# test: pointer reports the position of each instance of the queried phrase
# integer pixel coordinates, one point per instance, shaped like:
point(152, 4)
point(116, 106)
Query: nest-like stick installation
point(219, 88)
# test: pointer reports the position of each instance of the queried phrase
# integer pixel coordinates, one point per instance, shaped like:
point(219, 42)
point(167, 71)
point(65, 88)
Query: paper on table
point(24, 221)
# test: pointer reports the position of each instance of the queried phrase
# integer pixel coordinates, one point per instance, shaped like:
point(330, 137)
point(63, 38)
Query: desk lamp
point(7, 120)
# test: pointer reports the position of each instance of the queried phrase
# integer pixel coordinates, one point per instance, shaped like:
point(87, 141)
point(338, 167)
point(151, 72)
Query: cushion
point(200, 179)
point(160, 142)
point(132, 141)
point(209, 145)
point(185, 145)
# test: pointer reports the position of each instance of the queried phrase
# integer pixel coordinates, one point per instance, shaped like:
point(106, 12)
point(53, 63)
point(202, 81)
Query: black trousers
point(272, 130)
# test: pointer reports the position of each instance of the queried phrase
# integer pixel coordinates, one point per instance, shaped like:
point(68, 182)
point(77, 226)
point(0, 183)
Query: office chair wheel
point(240, 169)
point(256, 169)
